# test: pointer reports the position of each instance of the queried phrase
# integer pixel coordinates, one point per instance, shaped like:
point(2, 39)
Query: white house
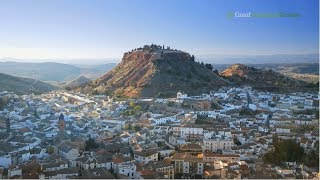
point(128, 169)
point(189, 131)
point(61, 174)
point(181, 95)
point(14, 171)
point(302, 121)
point(162, 120)
point(161, 101)
point(217, 144)
point(105, 161)
point(263, 129)
point(116, 121)
point(282, 130)
point(145, 156)
point(187, 164)
point(62, 164)
point(253, 107)
point(68, 152)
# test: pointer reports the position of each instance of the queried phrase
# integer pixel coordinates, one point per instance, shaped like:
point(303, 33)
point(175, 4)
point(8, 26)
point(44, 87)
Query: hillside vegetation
point(23, 85)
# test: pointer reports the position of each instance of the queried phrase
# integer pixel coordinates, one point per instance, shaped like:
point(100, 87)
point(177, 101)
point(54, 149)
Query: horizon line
point(117, 58)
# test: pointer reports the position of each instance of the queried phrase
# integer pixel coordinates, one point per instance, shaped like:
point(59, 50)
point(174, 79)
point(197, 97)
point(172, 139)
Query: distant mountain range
point(53, 72)
point(20, 85)
point(260, 59)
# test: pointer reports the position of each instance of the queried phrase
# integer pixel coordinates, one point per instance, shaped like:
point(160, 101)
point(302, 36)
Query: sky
point(105, 29)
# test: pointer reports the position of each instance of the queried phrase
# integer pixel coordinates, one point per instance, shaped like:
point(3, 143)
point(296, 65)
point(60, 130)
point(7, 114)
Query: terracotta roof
point(262, 141)
point(145, 153)
point(191, 146)
point(209, 154)
point(188, 157)
point(97, 173)
point(147, 171)
point(117, 159)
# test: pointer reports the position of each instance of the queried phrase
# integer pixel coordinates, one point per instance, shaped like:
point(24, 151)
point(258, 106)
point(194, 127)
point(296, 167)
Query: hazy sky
point(71, 29)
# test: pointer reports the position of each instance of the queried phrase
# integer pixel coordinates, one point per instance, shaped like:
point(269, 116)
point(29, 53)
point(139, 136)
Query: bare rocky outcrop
point(155, 71)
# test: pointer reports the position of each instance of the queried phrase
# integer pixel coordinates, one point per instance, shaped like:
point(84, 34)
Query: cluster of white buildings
point(220, 134)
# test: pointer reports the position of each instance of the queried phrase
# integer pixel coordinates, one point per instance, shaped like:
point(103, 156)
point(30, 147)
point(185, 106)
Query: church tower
point(61, 122)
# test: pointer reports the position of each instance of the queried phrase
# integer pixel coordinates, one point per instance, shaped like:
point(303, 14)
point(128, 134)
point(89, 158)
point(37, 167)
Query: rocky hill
point(240, 74)
point(77, 82)
point(155, 71)
point(20, 85)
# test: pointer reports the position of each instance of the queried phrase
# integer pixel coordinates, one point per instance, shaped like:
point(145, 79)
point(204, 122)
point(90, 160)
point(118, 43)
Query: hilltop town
point(227, 133)
point(159, 89)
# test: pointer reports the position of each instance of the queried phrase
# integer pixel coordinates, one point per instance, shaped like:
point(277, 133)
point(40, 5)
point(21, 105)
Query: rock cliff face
point(154, 71)
point(237, 69)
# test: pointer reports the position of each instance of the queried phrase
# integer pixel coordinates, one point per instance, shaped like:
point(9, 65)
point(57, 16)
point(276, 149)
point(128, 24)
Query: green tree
point(108, 93)
point(209, 66)
point(36, 114)
point(95, 92)
point(170, 103)
point(5, 173)
point(215, 105)
point(132, 104)
point(192, 58)
point(137, 128)
point(275, 139)
point(161, 95)
point(236, 141)
point(128, 127)
point(132, 113)
point(2, 104)
point(50, 150)
point(189, 75)
point(285, 150)
point(91, 144)
point(312, 158)
point(137, 108)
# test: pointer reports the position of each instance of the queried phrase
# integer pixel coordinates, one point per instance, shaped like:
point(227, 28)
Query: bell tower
point(61, 122)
